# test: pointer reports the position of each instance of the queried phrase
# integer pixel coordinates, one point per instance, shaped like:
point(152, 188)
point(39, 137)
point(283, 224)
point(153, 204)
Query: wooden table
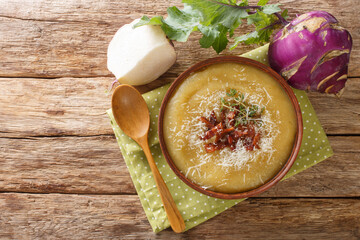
point(61, 171)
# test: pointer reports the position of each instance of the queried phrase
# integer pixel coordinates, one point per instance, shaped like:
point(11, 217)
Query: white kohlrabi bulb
point(139, 55)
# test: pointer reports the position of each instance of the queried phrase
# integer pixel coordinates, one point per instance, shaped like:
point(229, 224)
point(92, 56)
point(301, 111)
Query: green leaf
point(147, 21)
point(232, 92)
point(252, 113)
point(253, 18)
point(229, 17)
point(209, 35)
point(284, 14)
point(271, 8)
point(243, 3)
point(262, 110)
point(214, 37)
point(207, 9)
point(255, 37)
point(248, 38)
point(220, 42)
point(215, 13)
point(262, 2)
point(217, 21)
point(264, 36)
point(179, 24)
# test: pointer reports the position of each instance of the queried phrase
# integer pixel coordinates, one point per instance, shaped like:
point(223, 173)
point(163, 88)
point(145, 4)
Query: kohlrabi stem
point(272, 24)
point(282, 20)
point(112, 85)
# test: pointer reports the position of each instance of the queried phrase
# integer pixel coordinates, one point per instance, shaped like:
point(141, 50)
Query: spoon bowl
point(132, 115)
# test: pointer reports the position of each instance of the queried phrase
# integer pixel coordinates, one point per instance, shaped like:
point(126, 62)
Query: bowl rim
point(234, 59)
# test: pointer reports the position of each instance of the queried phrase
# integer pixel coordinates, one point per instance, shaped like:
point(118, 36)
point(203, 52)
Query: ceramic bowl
point(284, 85)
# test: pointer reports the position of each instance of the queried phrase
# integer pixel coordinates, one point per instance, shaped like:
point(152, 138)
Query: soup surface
point(218, 162)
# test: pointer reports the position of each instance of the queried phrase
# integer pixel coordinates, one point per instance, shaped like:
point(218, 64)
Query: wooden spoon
point(132, 115)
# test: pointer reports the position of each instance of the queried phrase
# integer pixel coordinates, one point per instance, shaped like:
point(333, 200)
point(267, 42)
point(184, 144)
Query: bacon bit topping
point(237, 120)
point(213, 118)
point(208, 124)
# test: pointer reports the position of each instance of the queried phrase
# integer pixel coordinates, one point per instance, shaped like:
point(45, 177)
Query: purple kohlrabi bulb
point(312, 53)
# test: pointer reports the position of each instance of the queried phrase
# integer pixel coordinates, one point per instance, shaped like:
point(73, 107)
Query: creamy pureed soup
point(262, 108)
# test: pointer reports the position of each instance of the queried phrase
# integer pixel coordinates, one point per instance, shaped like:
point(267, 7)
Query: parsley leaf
point(217, 20)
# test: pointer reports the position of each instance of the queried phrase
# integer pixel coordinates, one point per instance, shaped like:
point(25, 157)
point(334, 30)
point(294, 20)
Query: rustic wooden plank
point(339, 174)
point(76, 106)
point(66, 165)
point(339, 115)
point(94, 165)
point(69, 38)
point(64, 106)
point(58, 216)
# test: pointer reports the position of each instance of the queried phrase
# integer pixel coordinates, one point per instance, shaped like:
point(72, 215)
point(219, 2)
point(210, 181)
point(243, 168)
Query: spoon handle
point(176, 221)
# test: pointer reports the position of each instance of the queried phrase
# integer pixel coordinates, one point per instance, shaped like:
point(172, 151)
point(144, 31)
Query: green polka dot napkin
point(194, 206)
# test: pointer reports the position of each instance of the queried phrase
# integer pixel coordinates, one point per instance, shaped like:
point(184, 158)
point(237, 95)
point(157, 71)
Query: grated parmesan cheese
point(239, 158)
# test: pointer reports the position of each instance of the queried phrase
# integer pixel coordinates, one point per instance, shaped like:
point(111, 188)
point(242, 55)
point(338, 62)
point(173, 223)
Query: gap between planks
point(34, 137)
point(134, 194)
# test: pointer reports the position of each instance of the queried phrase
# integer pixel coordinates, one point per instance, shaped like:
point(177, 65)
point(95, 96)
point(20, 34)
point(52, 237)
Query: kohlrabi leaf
point(177, 26)
point(217, 20)
point(262, 2)
point(284, 14)
point(180, 23)
point(248, 38)
point(214, 12)
point(210, 33)
point(271, 8)
point(147, 21)
point(220, 42)
point(262, 31)
point(253, 18)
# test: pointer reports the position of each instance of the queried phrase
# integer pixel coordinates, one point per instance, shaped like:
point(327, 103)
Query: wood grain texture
point(65, 165)
point(56, 138)
point(76, 106)
point(93, 165)
point(48, 107)
point(69, 38)
point(57, 216)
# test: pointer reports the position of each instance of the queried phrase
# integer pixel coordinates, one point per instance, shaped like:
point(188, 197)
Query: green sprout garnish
point(245, 112)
